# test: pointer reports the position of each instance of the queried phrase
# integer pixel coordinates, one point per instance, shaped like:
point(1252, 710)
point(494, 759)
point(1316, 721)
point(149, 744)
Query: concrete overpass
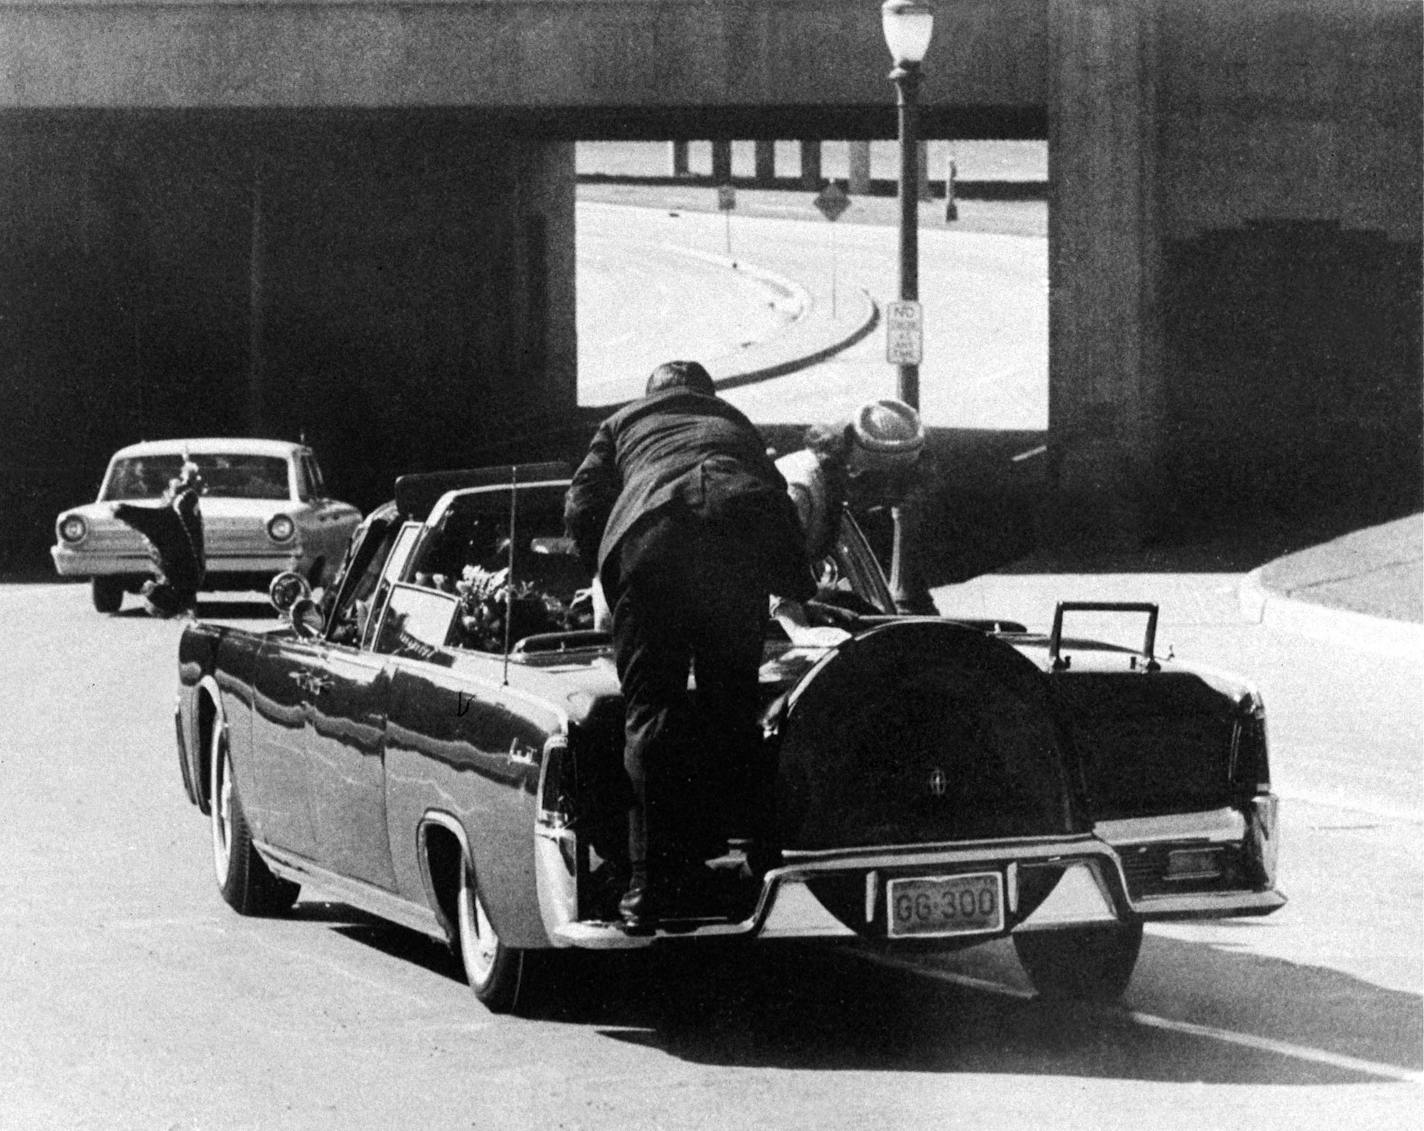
point(356, 219)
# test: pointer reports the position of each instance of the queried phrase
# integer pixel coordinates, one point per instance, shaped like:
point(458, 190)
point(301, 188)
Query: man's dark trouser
point(685, 599)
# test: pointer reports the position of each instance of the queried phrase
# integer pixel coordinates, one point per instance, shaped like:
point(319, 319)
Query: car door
point(463, 742)
point(346, 686)
point(319, 717)
point(346, 691)
point(278, 800)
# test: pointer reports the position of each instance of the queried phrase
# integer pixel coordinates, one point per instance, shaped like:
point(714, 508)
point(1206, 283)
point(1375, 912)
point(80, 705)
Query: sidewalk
point(1364, 586)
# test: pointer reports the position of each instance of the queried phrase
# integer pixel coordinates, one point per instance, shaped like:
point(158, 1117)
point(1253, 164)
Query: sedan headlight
point(280, 528)
point(73, 528)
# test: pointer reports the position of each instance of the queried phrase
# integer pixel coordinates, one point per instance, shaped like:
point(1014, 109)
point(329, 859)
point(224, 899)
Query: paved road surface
point(638, 292)
point(134, 998)
point(985, 298)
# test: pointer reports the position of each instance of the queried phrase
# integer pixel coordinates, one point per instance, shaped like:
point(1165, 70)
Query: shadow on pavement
point(814, 1010)
point(794, 1006)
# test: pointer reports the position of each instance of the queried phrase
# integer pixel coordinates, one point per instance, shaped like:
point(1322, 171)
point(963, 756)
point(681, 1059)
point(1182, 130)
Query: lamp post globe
point(908, 25)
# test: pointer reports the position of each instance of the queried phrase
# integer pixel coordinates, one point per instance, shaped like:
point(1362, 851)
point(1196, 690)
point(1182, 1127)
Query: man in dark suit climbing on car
point(683, 516)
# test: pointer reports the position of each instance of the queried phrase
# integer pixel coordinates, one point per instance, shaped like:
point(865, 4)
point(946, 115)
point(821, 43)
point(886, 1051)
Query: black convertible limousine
point(438, 741)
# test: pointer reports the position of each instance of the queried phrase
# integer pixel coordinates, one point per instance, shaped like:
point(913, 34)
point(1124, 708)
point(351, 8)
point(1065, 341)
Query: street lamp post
point(908, 25)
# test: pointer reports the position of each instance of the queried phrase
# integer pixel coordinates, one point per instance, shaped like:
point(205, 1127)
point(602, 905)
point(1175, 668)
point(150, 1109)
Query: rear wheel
point(1084, 963)
point(107, 593)
point(246, 883)
point(496, 972)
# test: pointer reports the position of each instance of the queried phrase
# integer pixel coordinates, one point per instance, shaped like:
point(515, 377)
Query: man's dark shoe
point(639, 909)
point(697, 894)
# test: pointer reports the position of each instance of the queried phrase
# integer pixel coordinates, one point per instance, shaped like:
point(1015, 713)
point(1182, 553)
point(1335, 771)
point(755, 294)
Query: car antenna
point(509, 575)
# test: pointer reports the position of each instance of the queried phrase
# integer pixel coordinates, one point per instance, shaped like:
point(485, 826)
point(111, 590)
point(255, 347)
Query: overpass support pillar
point(765, 163)
point(677, 158)
point(811, 165)
point(1105, 337)
point(858, 162)
point(721, 161)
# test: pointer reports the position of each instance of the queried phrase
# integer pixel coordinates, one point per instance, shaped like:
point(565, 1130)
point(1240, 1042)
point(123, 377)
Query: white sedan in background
point(265, 510)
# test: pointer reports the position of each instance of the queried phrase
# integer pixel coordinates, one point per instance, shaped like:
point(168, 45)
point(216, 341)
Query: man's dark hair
point(687, 375)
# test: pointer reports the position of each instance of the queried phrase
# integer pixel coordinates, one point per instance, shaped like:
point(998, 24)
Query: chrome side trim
point(376, 901)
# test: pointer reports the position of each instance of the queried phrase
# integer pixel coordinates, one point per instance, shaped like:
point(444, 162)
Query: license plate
point(946, 905)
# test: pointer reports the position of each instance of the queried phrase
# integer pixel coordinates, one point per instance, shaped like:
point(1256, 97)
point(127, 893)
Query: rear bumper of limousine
point(1208, 865)
point(1041, 884)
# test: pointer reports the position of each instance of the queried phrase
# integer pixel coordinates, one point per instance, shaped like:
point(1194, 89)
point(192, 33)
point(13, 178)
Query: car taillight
point(554, 807)
point(1250, 760)
point(280, 528)
point(73, 529)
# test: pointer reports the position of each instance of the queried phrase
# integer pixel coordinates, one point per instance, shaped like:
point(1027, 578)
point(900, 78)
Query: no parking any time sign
point(904, 333)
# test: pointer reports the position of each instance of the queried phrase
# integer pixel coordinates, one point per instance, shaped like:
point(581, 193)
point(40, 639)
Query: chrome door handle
point(311, 684)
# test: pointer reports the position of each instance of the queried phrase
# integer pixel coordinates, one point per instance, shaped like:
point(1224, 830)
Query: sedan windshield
point(232, 476)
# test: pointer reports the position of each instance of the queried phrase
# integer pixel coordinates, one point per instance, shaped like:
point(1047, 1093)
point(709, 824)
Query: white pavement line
point(1280, 1048)
point(943, 975)
point(1349, 804)
point(1148, 1020)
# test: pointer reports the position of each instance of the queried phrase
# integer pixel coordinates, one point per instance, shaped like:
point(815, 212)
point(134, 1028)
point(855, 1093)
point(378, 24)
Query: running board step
point(602, 935)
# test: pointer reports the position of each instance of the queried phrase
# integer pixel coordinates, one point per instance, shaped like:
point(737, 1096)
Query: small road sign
point(832, 201)
point(904, 333)
point(726, 198)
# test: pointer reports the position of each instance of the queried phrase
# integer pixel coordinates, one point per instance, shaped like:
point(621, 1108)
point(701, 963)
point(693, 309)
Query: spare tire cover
point(921, 731)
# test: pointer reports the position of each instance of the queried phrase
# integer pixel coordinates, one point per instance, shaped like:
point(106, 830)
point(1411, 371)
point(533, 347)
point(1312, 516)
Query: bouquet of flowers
point(488, 601)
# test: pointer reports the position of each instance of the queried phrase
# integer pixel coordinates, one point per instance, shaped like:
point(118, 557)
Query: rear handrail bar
point(1149, 642)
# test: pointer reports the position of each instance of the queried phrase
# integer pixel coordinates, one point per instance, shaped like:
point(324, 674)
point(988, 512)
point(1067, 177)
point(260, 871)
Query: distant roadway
point(647, 292)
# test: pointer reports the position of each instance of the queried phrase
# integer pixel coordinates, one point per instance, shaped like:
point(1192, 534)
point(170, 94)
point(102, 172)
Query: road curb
point(799, 299)
point(794, 297)
point(866, 321)
point(1281, 613)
